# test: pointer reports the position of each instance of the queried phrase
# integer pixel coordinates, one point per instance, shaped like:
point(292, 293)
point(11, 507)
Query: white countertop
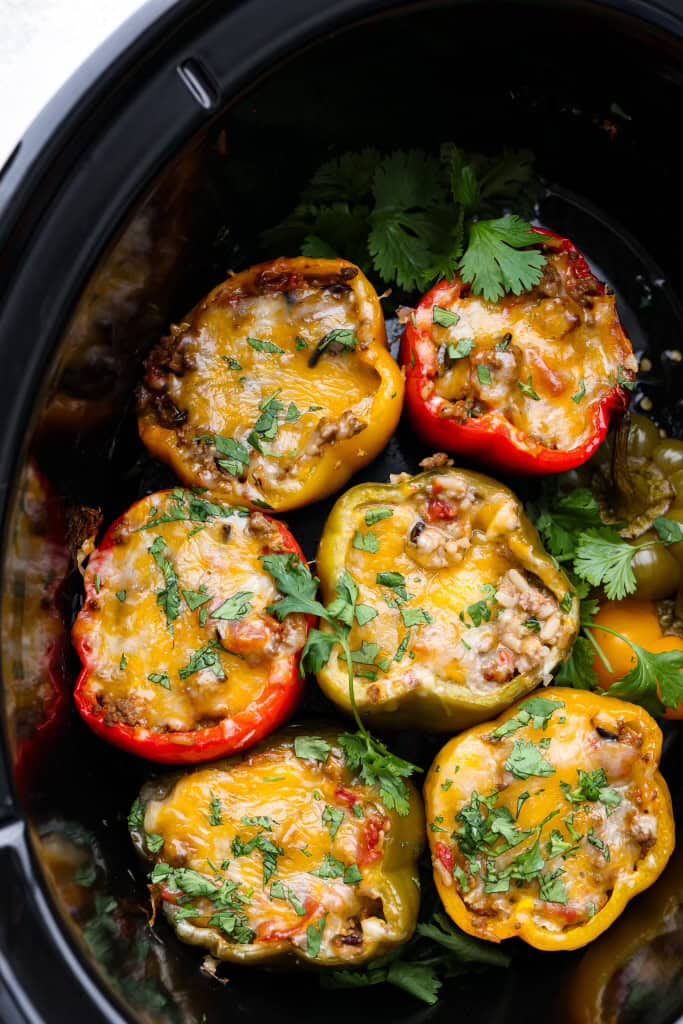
point(41, 43)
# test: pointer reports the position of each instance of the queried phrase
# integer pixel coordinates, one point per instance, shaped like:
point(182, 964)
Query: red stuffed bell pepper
point(527, 384)
point(181, 660)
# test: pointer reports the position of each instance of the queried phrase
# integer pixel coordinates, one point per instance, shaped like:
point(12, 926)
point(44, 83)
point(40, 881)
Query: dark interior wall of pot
point(597, 98)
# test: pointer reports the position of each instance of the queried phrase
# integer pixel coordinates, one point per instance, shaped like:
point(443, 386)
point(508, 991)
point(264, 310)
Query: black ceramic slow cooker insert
point(154, 172)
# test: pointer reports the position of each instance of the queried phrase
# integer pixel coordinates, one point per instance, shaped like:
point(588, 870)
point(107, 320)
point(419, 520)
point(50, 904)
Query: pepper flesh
point(615, 827)
point(442, 651)
point(333, 868)
point(528, 394)
point(277, 388)
point(171, 672)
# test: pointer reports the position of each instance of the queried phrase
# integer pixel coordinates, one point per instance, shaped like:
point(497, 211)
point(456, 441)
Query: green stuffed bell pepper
point(282, 854)
point(460, 611)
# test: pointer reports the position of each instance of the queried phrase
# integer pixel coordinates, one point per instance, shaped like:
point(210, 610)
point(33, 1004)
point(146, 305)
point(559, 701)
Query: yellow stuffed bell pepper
point(460, 610)
point(634, 964)
point(544, 823)
point(282, 854)
point(277, 388)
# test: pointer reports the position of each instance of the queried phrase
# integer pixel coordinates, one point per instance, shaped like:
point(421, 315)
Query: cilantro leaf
point(195, 598)
point(415, 617)
point(552, 889)
point(444, 317)
point(236, 455)
point(445, 934)
point(215, 811)
point(236, 607)
point(365, 613)
point(332, 817)
point(376, 515)
point(669, 530)
point(420, 980)
point(378, 767)
point(656, 681)
point(463, 348)
point(314, 936)
point(264, 346)
point(602, 557)
point(136, 816)
point(366, 542)
point(207, 657)
point(347, 178)
point(577, 670)
point(536, 712)
point(496, 260)
point(527, 761)
point(168, 599)
point(561, 518)
point(317, 650)
point(592, 787)
point(312, 748)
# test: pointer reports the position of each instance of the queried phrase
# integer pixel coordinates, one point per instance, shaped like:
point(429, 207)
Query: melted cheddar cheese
point(542, 361)
point(308, 860)
point(541, 821)
point(277, 388)
point(456, 605)
point(174, 633)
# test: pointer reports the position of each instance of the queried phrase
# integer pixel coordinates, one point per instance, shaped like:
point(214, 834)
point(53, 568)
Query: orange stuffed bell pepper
point(283, 854)
point(181, 660)
point(277, 388)
point(544, 823)
point(459, 612)
point(527, 384)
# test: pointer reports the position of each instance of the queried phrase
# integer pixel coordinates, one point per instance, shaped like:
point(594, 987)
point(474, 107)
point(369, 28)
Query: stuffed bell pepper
point(544, 823)
point(278, 387)
point(460, 611)
point(282, 854)
point(635, 965)
point(181, 660)
point(527, 384)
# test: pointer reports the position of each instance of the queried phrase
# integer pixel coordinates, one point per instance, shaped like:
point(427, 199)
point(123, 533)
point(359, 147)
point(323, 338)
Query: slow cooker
point(154, 172)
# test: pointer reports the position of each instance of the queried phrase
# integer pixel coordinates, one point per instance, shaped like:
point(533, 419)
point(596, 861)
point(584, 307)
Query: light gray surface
point(41, 43)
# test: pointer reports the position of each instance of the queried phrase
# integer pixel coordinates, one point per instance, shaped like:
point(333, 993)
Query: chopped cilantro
point(215, 811)
point(376, 515)
point(236, 607)
point(528, 390)
point(161, 679)
point(444, 317)
point(264, 346)
point(526, 761)
point(366, 542)
point(332, 817)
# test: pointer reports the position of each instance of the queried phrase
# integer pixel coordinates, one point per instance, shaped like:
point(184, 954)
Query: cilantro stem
point(619, 636)
point(598, 649)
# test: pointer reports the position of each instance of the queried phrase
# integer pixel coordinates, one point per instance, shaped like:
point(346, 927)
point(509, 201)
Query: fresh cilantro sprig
point(656, 680)
point(415, 218)
point(375, 764)
point(437, 951)
point(573, 531)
